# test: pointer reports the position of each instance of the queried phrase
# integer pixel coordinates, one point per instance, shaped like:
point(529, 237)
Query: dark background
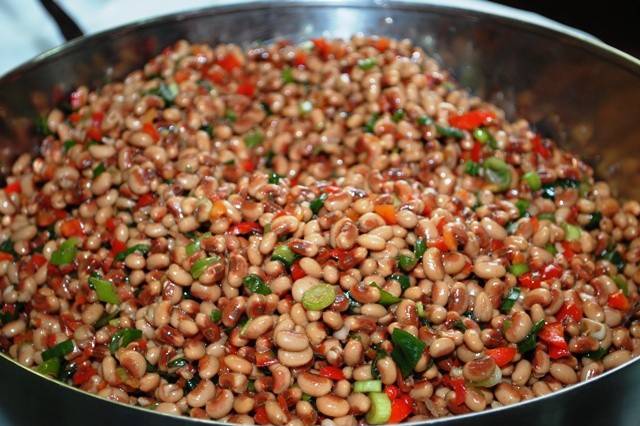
point(615, 22)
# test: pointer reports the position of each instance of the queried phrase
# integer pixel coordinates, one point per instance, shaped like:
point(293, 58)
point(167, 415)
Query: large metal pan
point(577, 90)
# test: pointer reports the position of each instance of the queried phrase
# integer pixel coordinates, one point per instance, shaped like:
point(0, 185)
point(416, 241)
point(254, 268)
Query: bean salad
point(328, 233)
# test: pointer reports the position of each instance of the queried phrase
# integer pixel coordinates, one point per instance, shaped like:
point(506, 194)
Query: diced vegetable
point(255, 284)
point(547, 216)
point(177, 363)
point(425, 120)
point(472, 168)
point(331, 372)
point(50, 367)
point(458, 386)
point(449, 132)
point(364, 386)
point(569, 310)
point(69, 144)
point(386, 212)
point(502, 356)
point(619, 301)
point(105, 319)
point(551, 249)
point(287, 75)
point(317, 203)
point(98, 170)
point(105, 290)
point(481, 135)
point(596, 355)
point(404, 281)
point(194, 246)
point(215, 315)
point(553, 335)
point(367, 63)
point(319, 297)
point(407, 262)
point(122, 338)
point(397, 116)
point(407, 350)
point(380, 410)
point(529, 342)
point(498, 173)
point(244, 228)
point(594, 221)
point(200, 265)
point(401, 408)
point(518, 269)
point(230, 115)
point(66, 253)
point(386, 298)
point(571, 232)
point(533, 180)
point(613, 256)
point(512, 297)
point(522, 206)
point(420, 248)
point(254, 139)
point(140, 248)
point(370, 125)
point(284, 254)
point(472, 119)
point(274, 178)
point(167, 92)
point(58, 351)
point(621, 283)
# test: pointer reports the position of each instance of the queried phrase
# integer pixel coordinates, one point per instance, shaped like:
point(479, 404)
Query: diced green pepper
point(512, 297)
point(122, 338)
point(50, 367)
point(407, 262)
point(105, 290)
point(420, 248)
point(317, 203)
point(533, 180)
point(449, 132)
point(284, 254)
point(529, 342)
point(551, 249)
point(140, 248)
point(58, 351)
point(472, 168)
point(518, 269)
point(66, 253)
point(407, 350)
point(200, 265)
point(255, 284)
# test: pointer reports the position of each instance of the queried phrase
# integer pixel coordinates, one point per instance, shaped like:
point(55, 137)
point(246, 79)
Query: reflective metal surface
point(583, 94)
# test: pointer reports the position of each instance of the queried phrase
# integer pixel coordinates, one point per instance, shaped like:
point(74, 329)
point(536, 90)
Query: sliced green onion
point(42, 127)
point(425, 120)
point(596, 355)
point(380, 410)
point(551, 217)
point(167, 92)
point(105, 319)
point(472, 168)
point(533, 180)
point(105, 290)
point(407, 350)
point(140, 248)
point(594, 221)
point(319, 297)
point(397, 116)
point(177, 363)
point(510, 300)
point(518, 269)
point(200, 265)
point(481, 135)
point(386, 298)
point(367, 63)
point(69, 144)
point(191, 384)
point(284, 254)
point(529, 342)
point(612, 255)
point(99, 169)
point(50, 367)
point(420, 310)
point(622, 284)
point(254, 139)
point(584, 189)
point(287, 75)
point(449, 132)
point(59, 350)
point(122, 338)
point(66, 253)
point(522, 206)
point(407, 262)
point(306, 107)
point(274, 178)
point(420, 248)
point(230, 115)
point(459, 325)
point(551, 249)
point(255, 284)
point(317, 203)
point(216, 315)
point(364, 386)
point(194, 246)
point(370, 125)
point(571, 232)
point(404, 281)
point(498, 173)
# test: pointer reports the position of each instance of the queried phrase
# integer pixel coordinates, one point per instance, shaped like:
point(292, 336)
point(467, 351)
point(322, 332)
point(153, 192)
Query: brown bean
point(314, 385)
point(332, 406)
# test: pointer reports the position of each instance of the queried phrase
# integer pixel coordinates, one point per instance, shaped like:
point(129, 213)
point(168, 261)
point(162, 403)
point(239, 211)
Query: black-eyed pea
point(421, 391)
point(520, 326)
point(316, 332)
point(488, 268)
point(168, 408)
point(332, 319)
point(482, 308)
point(352, 354)
point(432, 264)
point(342, 388)
point(238, 364)
point(464, 354)
point(440, 293)
point(314, 385)
point(590, 371)
point(203, 392)
point(388, 370)
point(295, 359)
point(472, 340)
point(221, 404)
point(506, 394)
point(345, 421)
point(149, 382)
point(362, 372)
point(373, 310)
point(521, 373)
point(563, 373)
point(359, 402)
point(208, 366)
point(275, 414)
point(291, 340)
point(479, 369)
point(243, 404)
point(332, 406)
point(134, 362)
point(441, 347)
point(540, 363)
point(475, 400)
point(614, 359)
point(194, 349)
point(257, 327)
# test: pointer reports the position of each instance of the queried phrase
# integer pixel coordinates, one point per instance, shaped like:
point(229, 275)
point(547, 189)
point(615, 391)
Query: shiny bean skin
point(332, 406)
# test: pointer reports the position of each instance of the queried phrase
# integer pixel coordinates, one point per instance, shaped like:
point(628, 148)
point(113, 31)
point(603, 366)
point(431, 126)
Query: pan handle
point(65, 23)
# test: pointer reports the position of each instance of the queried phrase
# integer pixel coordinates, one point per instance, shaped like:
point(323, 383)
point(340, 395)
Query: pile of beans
point(326, 233)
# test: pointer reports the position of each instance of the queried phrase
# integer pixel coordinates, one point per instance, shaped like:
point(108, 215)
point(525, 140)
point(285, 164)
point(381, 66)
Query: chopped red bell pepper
point(569, 310)
point(472, 119)
point(458, 386)
point(72, 228)
point(246, 88)
point(150, 129)
point(117, 246)
point(300, 59)
point(539, 148)
point(261, 417)
point(111, 224)
point(552, 333)
point(244, 228)
point(297, 272)
point(440, 244)
point(322, 46)
point(497, 245)
point(551, 272)
point(215, 75)
point(392, 391)
point(94, 133)
point(229, 62)
point(97, 117)
point(382, 44)
point(38, 260)
point(5, 256)
point(387, 212)
point(83, 374)
point(619, 301)
point(248, 166)
point(502, 356)
point(401, 408)
point(75, 118)
point(265, 359)
point(145, 200)
point(567, 250)
point(530, 280)
point(558, 351)
point(476, 152)
point(181, 75)
point(331, 372)
point(13, 188)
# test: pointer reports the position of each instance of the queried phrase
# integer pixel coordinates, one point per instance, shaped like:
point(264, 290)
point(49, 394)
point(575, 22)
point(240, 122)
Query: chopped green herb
point(98, 170)
point(512, 297)
point(404, 281)
point(66, 253)
point(522, 206)
point(370, 125)
point(253, 140)
point(518, 269)
point(472, 168)
point(449, 132)
point(122, 338)
point(255, 284)
point(68, 145)
point(319, 297)
point(274, 178)
point(194, 246)
point(284, 254)
point(398, 115)
point(191, 384)
point(7, 247)
point(207, 128)
point(529, 342)
point(533, 180)
point(140, 248)
point(105, 290)
point(317, 203)
point(407, 350)
point(200, 265)
point(58, 351)
point(594, 221)
point(367, 63)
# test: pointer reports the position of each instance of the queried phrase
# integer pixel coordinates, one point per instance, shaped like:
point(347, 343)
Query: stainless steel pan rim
point(593, 46)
